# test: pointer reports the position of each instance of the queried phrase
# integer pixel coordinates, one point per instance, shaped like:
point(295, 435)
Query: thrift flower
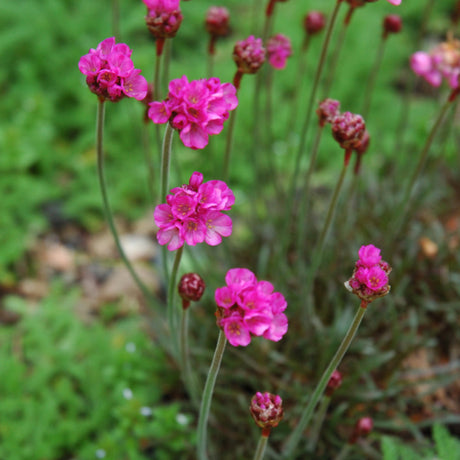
point(197, 109)
point(192, 213)
point(266, 410)
point(278, 50)
point(217, 21)
point(191, 287)
point(249, 307)
point(370, 276)
point(249, 54)
point(327, 111)
point(110, 72)
point(314, 22)
point(443, 61)
point(348, 130)
point(163, 18)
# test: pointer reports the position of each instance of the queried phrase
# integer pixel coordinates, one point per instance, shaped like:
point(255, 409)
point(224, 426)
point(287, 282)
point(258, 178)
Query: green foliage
point(74, 388)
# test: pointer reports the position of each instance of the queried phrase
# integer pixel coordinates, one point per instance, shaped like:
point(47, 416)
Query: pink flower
point(249, 307)
point(395, 2)
point(110, 73)
point(443, 61)
point(192, 214)
point(370, 276)
point(163, 18)
point(249, 54)
point(266, 410)
point(197, 109)
point(278, 50)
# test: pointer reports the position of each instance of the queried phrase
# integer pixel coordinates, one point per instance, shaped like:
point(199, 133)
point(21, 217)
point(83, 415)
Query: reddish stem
point(348, 153)
point(160, 42)
point(237, 79)
point(270, 8)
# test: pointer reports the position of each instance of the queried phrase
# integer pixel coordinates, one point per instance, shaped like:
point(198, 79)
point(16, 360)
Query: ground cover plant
point(277, 177)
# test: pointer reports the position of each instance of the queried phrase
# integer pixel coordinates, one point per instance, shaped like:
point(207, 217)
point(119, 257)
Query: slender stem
point(116, 19)
point(261, 446)
point(186, 367)
point(373, 78)
point(156, 78)
point(148, 162)
point(229, 145)
point(171, 310)
point(321, 386)
point(207, 396)
point(105, 199)
point(165, 160)
point(318, 423)
point(406, 201)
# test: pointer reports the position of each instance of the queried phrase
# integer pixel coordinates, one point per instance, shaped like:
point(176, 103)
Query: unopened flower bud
point(392, 24)
point(327, 111)
point(217, 21)
point(266, 410)
point(191, 287)
point(249, 54)
point(314, 22)
point(362, 428)
point(163, 20)
point(348, 130)
point(334, 382)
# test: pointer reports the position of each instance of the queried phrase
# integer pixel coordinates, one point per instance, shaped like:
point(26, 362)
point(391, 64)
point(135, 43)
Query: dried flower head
point(334, 382)
point(327, 111)
point(163, 18)
point(246, 306)
point(278, 50)
point(266, 410)
point(314, 22)
point(192, 213)
point(362, 428)
point(369, 280)
point(191, 287)
point(392, 24)
point(249, 54)
point(110, 72)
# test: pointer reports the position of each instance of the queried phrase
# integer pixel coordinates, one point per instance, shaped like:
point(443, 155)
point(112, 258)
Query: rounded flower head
point(278, 50)
point(217, 21)
point(197, 109)
point(249, 54)
point(348, 130)
point(392, 24)
point(163, 18)
point(334, 382)
point(370, 276)
point(191, 287)
point(110, 72)
point(314, 22)
point(327, 111)
point(266, 410)
point(192, 214)
point(362, 428)
point(246, 307)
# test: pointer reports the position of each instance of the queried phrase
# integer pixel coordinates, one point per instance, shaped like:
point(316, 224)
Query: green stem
point(171, 310)
point(207, 396)
point(186, 367)
point(321, 386)
point(166, 160)
point(261, 446)
point(105, 200)
point(373, 78)
point(318, 423)
point(229, 145)
point(148, 162)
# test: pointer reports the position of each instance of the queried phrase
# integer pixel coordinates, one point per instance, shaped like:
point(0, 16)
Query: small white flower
point(130, 347)
point(146, 411)
point(182, 419)
point(100, 453)
point(127, 393)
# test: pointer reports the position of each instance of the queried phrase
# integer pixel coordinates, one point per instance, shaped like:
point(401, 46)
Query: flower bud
point(191, 287)
point(362, 428)
point(217, 21)
point(392, 24)
point(314, 22)
point(334, 382)
point(348, 129)
point(266, 410)
point(327, 111)
point(249, 54)
point(163, 19)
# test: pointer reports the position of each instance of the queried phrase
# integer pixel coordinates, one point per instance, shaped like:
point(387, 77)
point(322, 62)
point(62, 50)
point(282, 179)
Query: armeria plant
point(247, 309)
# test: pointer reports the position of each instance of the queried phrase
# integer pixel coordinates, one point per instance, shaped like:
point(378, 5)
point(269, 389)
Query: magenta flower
point(197, 109)
point(110, 72)
point(249, 307)
point(370, 276)
point(192, 214)
point(394, 2)
point(163, 18)
point(443, 61)
point(278, 50)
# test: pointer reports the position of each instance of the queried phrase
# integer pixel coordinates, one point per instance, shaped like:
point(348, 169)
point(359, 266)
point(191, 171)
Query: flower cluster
point(163, 18)
point(266, 409)
point(197, 109)
point(110, 72)
point(278, 50)
point(370, 276)
point(247, 306)
point(443, 61)
point(192, 213)
point(249, 54)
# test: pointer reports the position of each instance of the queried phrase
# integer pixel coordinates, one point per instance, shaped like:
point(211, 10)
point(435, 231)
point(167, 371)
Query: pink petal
point(278, 328)
point(135, 85)
point(217, 225)
point(159, 112)
point(194, 136)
